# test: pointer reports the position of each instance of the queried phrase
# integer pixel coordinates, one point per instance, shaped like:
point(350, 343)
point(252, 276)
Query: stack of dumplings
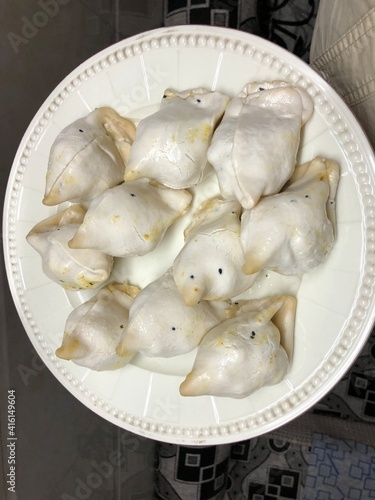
point(128, 183)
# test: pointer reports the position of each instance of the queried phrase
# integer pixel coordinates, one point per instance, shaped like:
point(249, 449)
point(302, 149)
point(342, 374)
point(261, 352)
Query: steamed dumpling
point(209, 265)
point(245, 352)
point(294, 231)
point(93, 329)
point(161, 324)
point(130, 219)
point(254, 149)
point(88, 156)
point(70, 268)
point(171, 144)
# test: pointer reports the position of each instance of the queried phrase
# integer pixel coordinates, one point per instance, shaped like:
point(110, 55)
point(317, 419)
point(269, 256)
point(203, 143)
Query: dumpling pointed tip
point(53, 196)
point(131, 175)
point(75, 242)
point(70, 349)
point(250, 267)
point(191, 295)
point(192, 385)
point(191, 300)
point(123, 351)
point(49, 201)
point(186, 389)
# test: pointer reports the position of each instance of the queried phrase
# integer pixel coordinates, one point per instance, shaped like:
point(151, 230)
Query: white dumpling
point(294, 231)
point(209, 265)
point(161, 324)
point(245, 352)
point(254, 149)
point(130, 219)
point(171, 144)
point(73, 269)
point(93, 329)
point(88, 156)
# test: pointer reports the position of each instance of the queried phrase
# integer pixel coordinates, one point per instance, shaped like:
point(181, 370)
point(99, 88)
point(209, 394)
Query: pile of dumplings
point(126, 183)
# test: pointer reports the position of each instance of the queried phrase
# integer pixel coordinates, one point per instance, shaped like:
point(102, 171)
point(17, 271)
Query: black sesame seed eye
point(132, 194)
point(80, 130)
point(164, 96)
point(173, 328)
point(252, 334)
point(220, 271)
point(192, 276)
point(261, 89)
point(307, 196)
point(198, 100)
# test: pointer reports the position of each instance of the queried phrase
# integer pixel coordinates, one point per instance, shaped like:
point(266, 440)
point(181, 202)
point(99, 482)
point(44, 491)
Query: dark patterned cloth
point(353, 398)
point(329, 454)
point(288, 23)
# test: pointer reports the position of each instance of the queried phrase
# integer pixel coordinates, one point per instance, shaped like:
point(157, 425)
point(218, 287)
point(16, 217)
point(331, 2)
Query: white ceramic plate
point(335, 302)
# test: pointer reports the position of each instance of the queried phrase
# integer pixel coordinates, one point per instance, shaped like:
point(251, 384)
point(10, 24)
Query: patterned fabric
point(353, 398)
point(306, 465)
point(289, 23)
point(340, 469)
point(192, 472)
point(266, 468)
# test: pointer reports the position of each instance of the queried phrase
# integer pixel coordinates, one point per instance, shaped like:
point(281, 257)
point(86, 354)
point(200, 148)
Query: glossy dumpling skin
point(254, 149)
point(161, 324)
point(73, 269)
point(171, 144)
point(294, 231)
point(130, 219)
point(245, 352)
point(88, 156)
point(93, 329)
point(209, 265)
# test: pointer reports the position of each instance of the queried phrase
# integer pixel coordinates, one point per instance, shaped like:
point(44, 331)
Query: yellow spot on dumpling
point(69, 179)
point(206, 132)
point(192, 134)
point(202, 133)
